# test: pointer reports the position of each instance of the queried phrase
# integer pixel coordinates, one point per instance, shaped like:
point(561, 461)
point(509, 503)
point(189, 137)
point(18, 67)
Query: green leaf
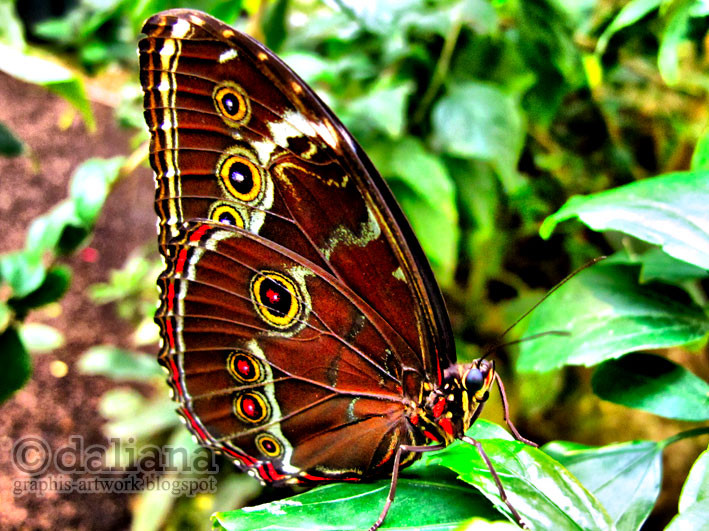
point(669, 211)
point(11, 27)
point(90, 185)
point(696, 486)
point(5, 316)
point(432, 209)
point(46, 231)
point(626, 478)
point(540, 489)
point(39, 338)
point(16, 363)
point(607, 314)
point(356, 506)
point(479, 121)
point(700, 157)
point(629, 15)
point(658, 265)
point(672, 36)
point(655, 384)
point(119, 364)
point(152, 418)
point(383, 108)
point(693, 518)
point(23, 271)
point(10, 145)
point(54, 77)
point(54, 286)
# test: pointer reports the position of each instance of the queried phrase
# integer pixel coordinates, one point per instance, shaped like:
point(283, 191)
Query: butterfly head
point(450, 409)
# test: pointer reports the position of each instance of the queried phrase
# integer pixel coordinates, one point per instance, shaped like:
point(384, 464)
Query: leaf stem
point(684, 435)
point(441, 70)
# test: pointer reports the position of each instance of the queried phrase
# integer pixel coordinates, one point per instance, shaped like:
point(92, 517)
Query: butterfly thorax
point(446, 411)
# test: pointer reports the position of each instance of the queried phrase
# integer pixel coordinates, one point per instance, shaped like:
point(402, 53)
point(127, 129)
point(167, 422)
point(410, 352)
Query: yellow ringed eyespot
point(251, 407)
point(232, 103)
point(244, 367)
point(276, 298)
point(268, 445)
point(226, 214)
point(240, 177)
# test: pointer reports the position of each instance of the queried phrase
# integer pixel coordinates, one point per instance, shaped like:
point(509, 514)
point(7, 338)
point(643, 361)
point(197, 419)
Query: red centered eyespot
point(249, 407)
point(244, 367)
point(273, 296)
point(439, 407)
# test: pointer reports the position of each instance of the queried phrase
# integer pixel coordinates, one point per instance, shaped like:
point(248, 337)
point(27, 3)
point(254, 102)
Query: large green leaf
point(606, 314)
point(540, 489)
point(432, 209)
point(16, 363)
point(696, 486)
point(655, 384)
point(432, 501)
point(480, 121)
point(693, 518)
point(670, 211)
point(626, 478)
point(383, 107)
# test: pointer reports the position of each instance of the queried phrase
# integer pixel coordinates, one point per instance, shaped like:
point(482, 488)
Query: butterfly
point(303, 332)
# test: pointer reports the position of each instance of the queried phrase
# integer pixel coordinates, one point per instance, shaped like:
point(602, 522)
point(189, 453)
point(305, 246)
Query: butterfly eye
point(232, 104)
point(474, 380)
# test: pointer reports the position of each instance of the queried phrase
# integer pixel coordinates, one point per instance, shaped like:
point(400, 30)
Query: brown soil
point(50, 407)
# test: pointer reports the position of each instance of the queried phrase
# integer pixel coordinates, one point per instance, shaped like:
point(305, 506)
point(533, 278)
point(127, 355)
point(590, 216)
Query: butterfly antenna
point(536, 305)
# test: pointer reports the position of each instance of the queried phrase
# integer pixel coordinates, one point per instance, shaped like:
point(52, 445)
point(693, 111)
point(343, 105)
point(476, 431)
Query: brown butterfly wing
point(238, 138)
point(315, 397)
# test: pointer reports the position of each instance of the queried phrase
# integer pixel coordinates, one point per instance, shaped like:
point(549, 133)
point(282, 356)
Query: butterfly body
point(304, 335)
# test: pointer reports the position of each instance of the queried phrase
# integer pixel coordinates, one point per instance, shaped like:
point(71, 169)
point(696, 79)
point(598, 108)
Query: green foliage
point(485, 117)
point(634, 469)
point(10, 145)
point(655, 384)
point(33, 277)
point(607, 313)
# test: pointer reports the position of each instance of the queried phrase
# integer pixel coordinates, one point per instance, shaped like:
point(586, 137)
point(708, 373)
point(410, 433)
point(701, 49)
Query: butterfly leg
point(496, 478)
point(395, 477)
point(506, 411)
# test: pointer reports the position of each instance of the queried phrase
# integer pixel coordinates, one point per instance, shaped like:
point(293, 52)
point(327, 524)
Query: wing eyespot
point(240, 177)
point(269, 446)
point(276, 298)
point(226, 214)
point(232, 103)
point(244, 367)
point(251, 407)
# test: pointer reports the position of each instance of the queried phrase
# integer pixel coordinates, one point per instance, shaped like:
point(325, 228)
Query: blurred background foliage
point(485, 117)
